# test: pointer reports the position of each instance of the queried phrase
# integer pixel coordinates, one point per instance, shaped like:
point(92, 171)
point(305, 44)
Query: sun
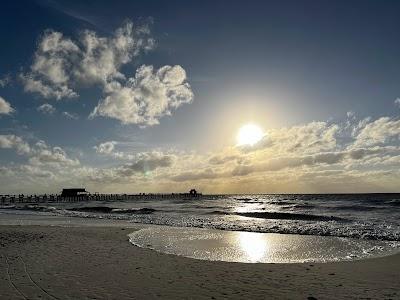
point(249, 134)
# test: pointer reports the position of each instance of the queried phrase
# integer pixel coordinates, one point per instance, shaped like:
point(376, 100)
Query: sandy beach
point(51, 262)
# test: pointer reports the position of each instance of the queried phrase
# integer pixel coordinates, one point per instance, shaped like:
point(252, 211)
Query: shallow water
point(252, 247)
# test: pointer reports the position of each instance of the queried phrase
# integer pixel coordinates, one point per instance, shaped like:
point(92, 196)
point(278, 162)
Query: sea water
point(370, 218)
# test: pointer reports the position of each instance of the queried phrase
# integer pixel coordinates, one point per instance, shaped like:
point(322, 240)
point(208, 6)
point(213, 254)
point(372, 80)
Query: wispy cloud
point(68, 11)
point(69, 115)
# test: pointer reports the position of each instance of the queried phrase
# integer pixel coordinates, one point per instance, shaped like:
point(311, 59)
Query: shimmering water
point(253, 247)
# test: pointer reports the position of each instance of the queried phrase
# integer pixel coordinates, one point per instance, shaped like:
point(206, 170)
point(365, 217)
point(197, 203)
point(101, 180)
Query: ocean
point(241, 228)
point(360, 216)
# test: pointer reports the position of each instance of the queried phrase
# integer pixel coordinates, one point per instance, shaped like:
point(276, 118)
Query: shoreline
point(86, 262)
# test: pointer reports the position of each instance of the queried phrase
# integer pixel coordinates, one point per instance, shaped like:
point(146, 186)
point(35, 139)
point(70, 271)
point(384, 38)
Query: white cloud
point(106, 147)
point(103, 57)
point(11, 141)
point(5, 107)
point(315, 160)
point(138, 162)
point(51, 68)
point(37, 86)
point(55, 156)
point(46, 109)
point(36, 171)
point(146, 97)
point(309, 138)
point(380, 131)
point(46, 167)
point(61, 64)
point(39, 153)
point(397, 102)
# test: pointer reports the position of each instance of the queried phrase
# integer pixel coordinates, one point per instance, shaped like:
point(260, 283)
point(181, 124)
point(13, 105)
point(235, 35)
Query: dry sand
point(39, 262)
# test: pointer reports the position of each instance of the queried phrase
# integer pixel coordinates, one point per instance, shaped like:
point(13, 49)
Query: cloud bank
point(352, 156)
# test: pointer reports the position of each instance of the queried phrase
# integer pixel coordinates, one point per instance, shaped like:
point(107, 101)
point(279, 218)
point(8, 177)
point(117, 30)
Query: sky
point(149, 96)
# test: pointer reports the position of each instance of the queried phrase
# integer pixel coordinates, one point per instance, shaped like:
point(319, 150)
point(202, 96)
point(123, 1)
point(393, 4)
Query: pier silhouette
point(80, 194)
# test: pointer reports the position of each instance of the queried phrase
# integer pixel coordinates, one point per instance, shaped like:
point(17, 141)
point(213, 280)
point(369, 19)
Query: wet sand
point(49, 262)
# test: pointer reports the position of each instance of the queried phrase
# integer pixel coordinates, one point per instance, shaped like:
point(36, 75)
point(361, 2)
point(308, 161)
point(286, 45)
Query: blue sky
point(138, 96)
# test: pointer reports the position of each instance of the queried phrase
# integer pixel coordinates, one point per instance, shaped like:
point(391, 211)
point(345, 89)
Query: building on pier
point(75, 192)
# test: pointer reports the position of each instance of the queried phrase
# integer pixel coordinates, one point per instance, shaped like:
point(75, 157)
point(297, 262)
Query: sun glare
point(249, 134)
point(253, 245)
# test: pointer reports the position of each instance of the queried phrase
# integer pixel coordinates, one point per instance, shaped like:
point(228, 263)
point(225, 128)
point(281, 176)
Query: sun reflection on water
point(254, 245)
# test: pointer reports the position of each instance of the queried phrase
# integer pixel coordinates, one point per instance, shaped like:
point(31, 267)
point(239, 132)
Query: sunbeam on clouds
point(331, 152)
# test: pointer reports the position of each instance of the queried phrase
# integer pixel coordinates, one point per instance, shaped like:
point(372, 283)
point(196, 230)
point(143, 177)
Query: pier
point(81, 197)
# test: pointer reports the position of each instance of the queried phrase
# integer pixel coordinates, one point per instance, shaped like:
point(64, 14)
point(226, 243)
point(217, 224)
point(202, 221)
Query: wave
point(111, 210)
point(30, 207)
point(244, 199)
point(299, 206)
point(355, 207)
point(7, 207)
point(218, 212)
point(280, 216)
point(88, 209)
point(141, 211)
point(394, 202)
point(94, 209)
point(289, 216)
point(281, 202)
